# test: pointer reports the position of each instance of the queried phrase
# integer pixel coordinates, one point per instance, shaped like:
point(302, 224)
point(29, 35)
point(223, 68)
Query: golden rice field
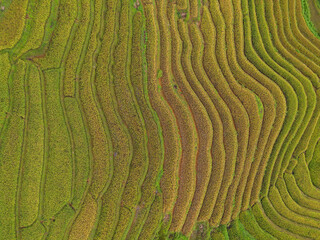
point(159, 119)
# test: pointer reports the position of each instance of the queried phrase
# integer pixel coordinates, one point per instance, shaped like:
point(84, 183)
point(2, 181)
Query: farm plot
point(156, 119)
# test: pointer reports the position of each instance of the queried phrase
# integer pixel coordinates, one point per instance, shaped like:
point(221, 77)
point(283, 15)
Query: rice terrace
point(159, 119)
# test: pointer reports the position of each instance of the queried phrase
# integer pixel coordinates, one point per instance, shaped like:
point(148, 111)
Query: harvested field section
point(156, 119)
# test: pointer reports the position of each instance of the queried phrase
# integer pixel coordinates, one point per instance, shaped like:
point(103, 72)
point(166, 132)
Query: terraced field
point(159, 119)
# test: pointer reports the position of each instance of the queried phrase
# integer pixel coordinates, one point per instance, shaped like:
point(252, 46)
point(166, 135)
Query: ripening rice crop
point(155, 119)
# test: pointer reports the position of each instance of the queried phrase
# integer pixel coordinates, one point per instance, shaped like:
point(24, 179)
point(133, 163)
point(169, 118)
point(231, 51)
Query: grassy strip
point(309, 47)
point(208, 96)
point(12, 24)
point(308, 17)
point(10, 151)
point(58, 169)
point(67, 13)
point(138, 76)
point(268, 226)
point(32, 158)
point(315, 14)
point(309, 99)
point(4, 88)
point(220, 233)
point(225, 170)
point(250, 224)
point(292, 204)
point(301, 23)
point(237, 231)
point(247, 143)
point(201, 231)
point(163, 231)
point(187, 81)
point(274, 112)
point(177, 236)
point(170, 131)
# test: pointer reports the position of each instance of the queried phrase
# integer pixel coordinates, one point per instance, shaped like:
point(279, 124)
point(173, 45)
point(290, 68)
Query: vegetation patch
point(156, 119)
